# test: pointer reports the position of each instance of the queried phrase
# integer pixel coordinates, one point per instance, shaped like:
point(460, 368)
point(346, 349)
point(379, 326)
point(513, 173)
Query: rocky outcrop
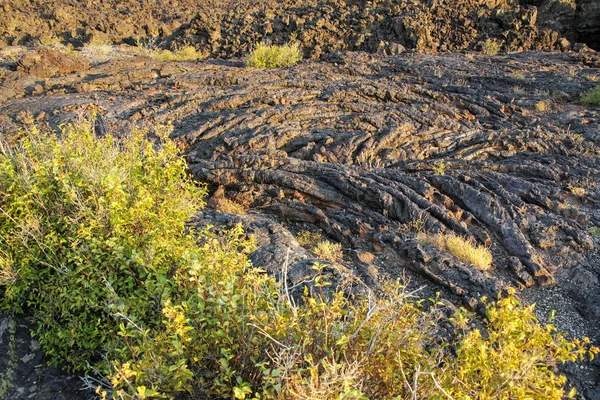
point(98, 21)
point(324, 26)
point(223, 29)
point(46, 63)
point(577, 20)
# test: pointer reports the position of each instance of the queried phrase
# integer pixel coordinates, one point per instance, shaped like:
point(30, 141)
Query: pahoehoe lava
point(370, 149)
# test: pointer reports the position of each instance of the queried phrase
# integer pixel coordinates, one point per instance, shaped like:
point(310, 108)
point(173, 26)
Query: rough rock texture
point(389, 27)
point(370, 150)
point(222, 28)
point(46, 63)
point(77, 22)
point(23, 373)
point(576, 19)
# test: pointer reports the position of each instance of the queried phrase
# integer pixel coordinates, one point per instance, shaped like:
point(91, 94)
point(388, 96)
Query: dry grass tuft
point(329, 251)
point(465, 250)
point(225, 205)
point(577, 191)
point(188, 53)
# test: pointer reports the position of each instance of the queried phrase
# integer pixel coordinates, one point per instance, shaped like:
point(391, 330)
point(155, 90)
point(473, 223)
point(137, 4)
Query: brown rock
point(46, 63)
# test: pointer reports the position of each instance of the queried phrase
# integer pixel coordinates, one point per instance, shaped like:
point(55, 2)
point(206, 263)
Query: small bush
point(463, 249)
point(491, 47)
point(308, 238)
point(328, 251)
point(272, 56)
point(591, 97)
point(440, 167)
point(85, 221)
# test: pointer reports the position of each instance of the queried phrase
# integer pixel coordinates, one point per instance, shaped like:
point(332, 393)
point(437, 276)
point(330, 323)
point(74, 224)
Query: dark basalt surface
point(353, 145)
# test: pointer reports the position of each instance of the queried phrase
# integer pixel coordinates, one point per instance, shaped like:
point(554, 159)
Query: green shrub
point(87, 220)
point(273, 56)
point(93, 244)
point(591, 97)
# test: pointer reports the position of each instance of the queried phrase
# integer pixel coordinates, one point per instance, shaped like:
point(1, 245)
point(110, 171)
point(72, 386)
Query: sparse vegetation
point(328, 251)
point(99, 53)
point(591, 97)
point(542, 105)
point(440, 167)
point(307, 238)
point(519, 75)
point(225, 205)
point(273, 56)
point(491, 47)
point(188, 53)
point(594, 230)
point(94, 243)
point(577, 191)
point(465, 250)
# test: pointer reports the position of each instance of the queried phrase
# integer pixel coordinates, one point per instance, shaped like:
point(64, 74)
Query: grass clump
point(94, 245)
point(465, 250)
point(577, 191)
point(308, 238)
point(328, 251)
point(273, 56)
point(188, 53)
point(591, 97)
point(323, 249)
point(225, 205)
point(491, 47)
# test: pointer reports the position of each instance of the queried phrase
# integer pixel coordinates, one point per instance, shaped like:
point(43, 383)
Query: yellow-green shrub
point(514, 357)
point(85, 220)
point(273, 56)
point(491, 47)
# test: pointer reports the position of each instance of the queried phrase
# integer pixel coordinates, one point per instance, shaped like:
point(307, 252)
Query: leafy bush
point(591, 97)
point(464, 249)
point(273, 56)
point(94, 246)
point(86, 221)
